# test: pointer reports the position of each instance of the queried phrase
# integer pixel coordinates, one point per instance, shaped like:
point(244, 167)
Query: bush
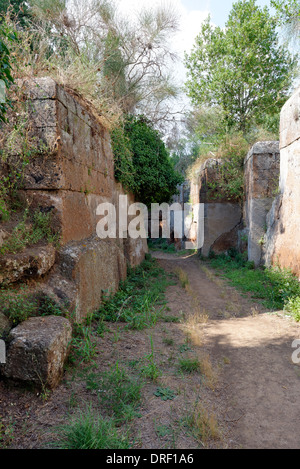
point(230, 176)
point(142, 162)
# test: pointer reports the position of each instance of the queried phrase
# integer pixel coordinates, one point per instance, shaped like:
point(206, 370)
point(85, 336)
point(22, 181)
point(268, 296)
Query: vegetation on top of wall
point(142, 162)
point(29, 231)
point(229, 181)
point(118, 64)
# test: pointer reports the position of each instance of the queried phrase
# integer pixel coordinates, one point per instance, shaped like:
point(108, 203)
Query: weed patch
point(87, 430)
point(189, 365)
point(203, 425)
point(118, 391)
point(165, 394)
point(276, 288)
point(140, 300)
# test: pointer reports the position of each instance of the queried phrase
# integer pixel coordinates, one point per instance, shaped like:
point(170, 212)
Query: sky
point(191, 14)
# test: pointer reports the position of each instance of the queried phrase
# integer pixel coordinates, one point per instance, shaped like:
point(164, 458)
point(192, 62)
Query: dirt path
point(244, 393)
point(258, 393)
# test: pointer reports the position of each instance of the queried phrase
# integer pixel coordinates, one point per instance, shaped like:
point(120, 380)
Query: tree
point(142, 162)
point(288, 16)
point(129, 59)
point(241, 69)
point(18, 8)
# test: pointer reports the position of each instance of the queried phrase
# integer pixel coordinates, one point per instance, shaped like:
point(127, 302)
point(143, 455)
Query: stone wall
point(222, 218)
point(282, 241)
point(261, 183)
point(70, 178)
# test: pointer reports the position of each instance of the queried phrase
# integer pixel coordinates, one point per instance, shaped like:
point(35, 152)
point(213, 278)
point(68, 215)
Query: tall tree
point(288, 15)
point(242, 69)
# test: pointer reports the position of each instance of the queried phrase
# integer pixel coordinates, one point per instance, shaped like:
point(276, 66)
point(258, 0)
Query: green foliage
point(26, 233)
point(229, 181)
point(21, 304)
point(18, 306)
point(138, 300)
point(142, 162)
point(150, 368)
point(6, 37)
point(83, 346)
point(19, 9)
point(288, 16)
point(18, 147)
point(118, 391)
point(241, 69)
point(292, 306)
point(88, 430)
point(189, 365)
point(277, 288)
point(165, 394)
point(161, 244)
point(123, 159)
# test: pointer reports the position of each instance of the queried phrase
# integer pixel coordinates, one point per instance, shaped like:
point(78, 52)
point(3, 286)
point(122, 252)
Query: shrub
point(142, 162)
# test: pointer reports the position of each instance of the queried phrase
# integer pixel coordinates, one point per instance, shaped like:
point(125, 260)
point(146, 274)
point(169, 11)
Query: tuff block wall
point(282, 241)
point(70, 178)
point(222, 217)
point(261, 183)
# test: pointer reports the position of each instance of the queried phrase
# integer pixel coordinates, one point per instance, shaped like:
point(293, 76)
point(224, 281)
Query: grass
point(173, 319)
point(140, 301)
point(118, 391)
point(182, 276)
point(203, 425)
point(20, 304)
point(29, 232)
point(161, 244)
point(88, 430)
point(83, 345)
point(276, 288)
point(189, 365)
point(150, 368)
point(168, 341)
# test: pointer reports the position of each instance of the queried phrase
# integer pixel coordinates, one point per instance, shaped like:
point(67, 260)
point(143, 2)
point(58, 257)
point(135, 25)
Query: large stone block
point(32, 262)
point(86, 271)
point(220, 219)
point(290, 120)
point(261, 186)
point(37, 350)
